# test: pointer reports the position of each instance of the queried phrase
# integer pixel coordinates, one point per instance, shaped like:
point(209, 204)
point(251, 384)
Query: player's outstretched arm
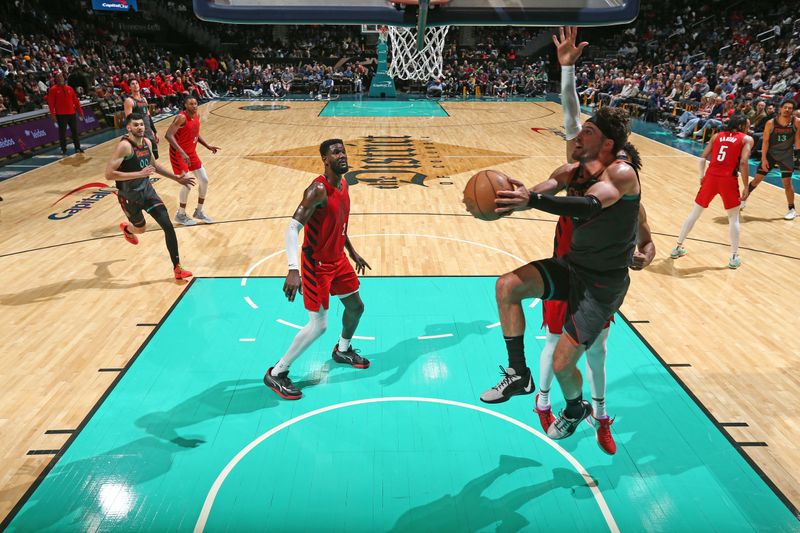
point(313, 197)
point(208, 146)
point(646, 248)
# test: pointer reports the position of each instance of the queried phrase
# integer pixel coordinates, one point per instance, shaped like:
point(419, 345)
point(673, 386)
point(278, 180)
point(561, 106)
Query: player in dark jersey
point(324, 269)
point(131, 166)
point(781, 138)
point(593, 276)
point(730, 154)
point(136, 102)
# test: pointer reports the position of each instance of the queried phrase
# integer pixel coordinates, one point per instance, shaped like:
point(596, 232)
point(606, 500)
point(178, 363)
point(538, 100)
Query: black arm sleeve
point(571, 206)
point(152, 124)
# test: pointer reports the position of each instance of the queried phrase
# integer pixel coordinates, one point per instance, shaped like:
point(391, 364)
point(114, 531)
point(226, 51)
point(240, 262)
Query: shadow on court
point(667, 267)
point(98, 489)
point(470, 510)
point(392, 364)
point(223, 399)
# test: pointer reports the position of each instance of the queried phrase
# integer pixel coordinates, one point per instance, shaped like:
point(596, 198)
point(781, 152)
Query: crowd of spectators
point(691, 65)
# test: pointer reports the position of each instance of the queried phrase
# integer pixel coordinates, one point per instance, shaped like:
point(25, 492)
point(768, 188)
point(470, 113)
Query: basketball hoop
point(407, 62)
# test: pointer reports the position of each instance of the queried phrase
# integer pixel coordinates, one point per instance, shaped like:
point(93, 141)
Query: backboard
point(455, 13)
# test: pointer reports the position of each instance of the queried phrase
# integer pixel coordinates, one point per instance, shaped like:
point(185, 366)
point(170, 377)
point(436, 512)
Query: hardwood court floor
point(77, 298)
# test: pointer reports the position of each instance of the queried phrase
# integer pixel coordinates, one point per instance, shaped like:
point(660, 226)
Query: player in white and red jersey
point(324, 270)
point(729, 152)
point(183, 135)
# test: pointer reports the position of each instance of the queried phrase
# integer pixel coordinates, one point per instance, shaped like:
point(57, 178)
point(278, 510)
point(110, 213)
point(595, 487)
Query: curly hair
point(615, 124)
point(631, 154)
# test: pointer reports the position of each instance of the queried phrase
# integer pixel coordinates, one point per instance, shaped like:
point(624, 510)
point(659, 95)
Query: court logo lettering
point(394, 161)
point(88, 201)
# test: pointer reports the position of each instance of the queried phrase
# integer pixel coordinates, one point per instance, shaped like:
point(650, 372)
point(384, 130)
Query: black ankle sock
point(791, 206)
point(574, 407)
point(516, 354)
point(750, 188)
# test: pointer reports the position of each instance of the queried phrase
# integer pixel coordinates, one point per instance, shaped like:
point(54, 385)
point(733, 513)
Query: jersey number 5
point(721, 154)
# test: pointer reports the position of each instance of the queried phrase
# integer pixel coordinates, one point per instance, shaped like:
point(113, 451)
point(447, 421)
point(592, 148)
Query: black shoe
point(511, 384)
point(350, 357)
point(79, 150)
point(564, 426)
point(282, 385)
point(63, 152)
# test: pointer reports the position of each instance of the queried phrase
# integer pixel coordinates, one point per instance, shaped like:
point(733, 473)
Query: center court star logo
point(389, 162)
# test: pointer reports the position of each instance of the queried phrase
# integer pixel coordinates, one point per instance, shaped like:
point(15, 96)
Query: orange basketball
point(481, 191)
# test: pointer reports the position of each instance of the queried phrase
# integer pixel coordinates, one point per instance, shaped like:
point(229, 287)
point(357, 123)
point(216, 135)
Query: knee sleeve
point(202, 182)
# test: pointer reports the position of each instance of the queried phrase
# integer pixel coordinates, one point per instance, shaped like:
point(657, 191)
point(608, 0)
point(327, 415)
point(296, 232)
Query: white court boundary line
point(202, 519)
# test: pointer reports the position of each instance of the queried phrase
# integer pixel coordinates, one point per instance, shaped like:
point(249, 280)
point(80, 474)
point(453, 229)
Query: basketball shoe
point(200, 215)
point(678, 251)
point(546, 417)
point(282, 385)
point(735, 262)
point(181, 273)
point(183, 219)
point(350, 357)
point(564, 426)
point(790, 215)
point(511, 385)
point(130, 237)
point(602, 427)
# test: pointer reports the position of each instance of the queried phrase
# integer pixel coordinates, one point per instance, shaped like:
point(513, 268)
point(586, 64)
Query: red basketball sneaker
point(545, 415)
point(130, 237)
point(180, 273)
point(602, 428)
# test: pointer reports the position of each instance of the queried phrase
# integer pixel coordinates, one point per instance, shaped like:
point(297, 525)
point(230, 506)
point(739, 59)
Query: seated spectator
point(434, 88)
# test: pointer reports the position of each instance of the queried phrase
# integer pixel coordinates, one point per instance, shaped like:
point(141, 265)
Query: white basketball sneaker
point(200, 215)
point(183, 219)
point(790, 215)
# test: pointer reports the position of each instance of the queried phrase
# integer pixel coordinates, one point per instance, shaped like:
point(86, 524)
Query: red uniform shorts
point(179, 165)
point(726, 186)
point(321, 280)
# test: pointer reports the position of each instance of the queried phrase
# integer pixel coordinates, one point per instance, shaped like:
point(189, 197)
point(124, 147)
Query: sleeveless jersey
point(725, 153)
point(186, 136)
point(140, 106)
point(326, 230)
point(563, 239)
point(781, 142)
point(140, 157)
point(606, 241)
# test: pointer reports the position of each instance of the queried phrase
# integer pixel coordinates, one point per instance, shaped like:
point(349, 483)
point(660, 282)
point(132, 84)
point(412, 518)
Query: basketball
point(481, 191)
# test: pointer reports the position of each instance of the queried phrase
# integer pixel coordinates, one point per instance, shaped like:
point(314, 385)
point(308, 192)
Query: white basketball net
point(409, 64)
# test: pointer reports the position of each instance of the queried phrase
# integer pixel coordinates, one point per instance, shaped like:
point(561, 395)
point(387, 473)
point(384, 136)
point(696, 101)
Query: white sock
point(546, 370)
point(344, 344)
point(688, 224)
point(181, 210)
point(316, 326)
point(596, 373)
point(733, 224)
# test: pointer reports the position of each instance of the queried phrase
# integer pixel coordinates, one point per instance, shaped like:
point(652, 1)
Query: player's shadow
point(392, 364)
point(226, 398)
point(745, 219)
point(643, 452)
point(668, 267)
point(103, 279)
point(471, 510)
point(80, 492)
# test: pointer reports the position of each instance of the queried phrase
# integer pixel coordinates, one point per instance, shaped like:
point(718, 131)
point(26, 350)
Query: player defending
point(593, 275)
point(730, 154)
point(138, 103)
point(183, 135)
point(781, 134)
point(131, 167)
point(324, 211)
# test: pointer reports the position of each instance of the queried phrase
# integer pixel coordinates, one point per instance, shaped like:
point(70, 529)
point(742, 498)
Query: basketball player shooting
point(324, 270)
point(593, 275)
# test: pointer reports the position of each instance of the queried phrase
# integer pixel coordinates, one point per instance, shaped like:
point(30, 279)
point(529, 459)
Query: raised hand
point(568, 53)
